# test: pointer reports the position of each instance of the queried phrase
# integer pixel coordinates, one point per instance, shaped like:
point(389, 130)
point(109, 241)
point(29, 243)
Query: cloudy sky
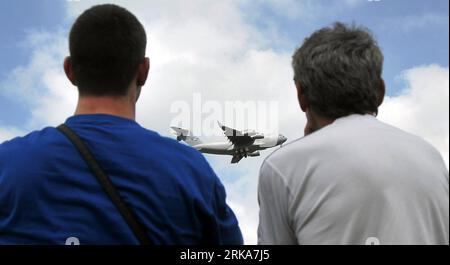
point(227, 51)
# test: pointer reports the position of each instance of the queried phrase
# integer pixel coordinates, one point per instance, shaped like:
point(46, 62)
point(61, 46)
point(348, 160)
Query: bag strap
point(107, 185)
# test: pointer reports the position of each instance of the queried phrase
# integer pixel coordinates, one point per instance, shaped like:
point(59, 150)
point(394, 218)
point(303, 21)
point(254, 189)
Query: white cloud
point(423, 106)
point(7, 133)
point(208, 47)
point(241, 181)
point(41, 84)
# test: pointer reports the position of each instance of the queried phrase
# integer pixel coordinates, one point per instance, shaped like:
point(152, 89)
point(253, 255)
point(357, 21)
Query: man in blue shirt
point(48, 195)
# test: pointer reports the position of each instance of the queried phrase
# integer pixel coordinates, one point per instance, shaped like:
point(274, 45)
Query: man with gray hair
point(352, 179)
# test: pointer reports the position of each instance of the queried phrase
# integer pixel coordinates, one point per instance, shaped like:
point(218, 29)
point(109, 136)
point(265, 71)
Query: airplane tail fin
point(185, 135)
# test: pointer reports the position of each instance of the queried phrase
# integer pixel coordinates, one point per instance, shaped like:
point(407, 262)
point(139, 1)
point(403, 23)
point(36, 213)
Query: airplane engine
point(181, 137)
point(254, 154)
point(258, 136)
point(180, 133)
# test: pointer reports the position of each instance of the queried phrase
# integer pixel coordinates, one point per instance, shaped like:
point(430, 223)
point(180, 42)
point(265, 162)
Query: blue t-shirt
point(49, 196)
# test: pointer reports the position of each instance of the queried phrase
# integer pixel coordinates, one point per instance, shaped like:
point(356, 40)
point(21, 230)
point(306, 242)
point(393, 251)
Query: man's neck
point(317, 122)
point(117, 106)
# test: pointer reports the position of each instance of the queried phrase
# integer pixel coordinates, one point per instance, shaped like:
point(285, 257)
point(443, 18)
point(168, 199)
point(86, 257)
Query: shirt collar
point(355, 117)
point(99, 119)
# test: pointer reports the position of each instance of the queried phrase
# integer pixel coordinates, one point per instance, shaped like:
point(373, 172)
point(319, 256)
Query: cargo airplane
point(240, 144)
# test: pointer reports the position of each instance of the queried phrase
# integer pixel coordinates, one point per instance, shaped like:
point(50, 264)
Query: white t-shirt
point(355, 181)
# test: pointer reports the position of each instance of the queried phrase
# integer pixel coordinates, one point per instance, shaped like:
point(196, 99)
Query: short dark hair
point(339, 70)
point(106, 44)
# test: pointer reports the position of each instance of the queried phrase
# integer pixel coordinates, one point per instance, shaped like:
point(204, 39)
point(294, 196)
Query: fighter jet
point(240, 144)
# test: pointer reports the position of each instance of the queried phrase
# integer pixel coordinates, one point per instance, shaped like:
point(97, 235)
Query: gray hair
point(339, 70)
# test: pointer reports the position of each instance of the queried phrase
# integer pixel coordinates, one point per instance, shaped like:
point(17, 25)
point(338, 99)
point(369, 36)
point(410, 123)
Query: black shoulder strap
point(107, 185)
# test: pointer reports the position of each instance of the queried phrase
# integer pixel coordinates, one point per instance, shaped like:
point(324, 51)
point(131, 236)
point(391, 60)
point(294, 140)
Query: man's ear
point(381, 92)
point(301, 98)
point(143, 69)
point(69, 70)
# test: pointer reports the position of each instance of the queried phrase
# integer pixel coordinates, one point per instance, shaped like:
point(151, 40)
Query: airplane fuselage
point(240, 144)
point(227, 148)
point(217, 148)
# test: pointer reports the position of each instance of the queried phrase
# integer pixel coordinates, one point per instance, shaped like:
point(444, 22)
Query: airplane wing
point(238, 138)
point(236, 158)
